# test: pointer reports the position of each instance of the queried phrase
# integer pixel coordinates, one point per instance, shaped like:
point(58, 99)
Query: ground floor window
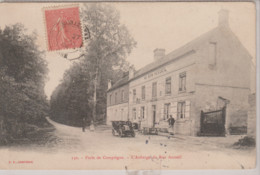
point(181, 110)
point(166, 111)
point(142, 112)
point(134, 114)
point(122, 114)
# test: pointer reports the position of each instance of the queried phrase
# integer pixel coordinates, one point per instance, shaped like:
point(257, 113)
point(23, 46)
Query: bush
point(245, 142)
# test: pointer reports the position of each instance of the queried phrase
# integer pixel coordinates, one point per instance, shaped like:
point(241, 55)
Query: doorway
point(213, 123)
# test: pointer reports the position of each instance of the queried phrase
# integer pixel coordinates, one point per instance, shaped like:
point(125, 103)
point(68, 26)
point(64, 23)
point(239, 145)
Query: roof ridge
point(176, 53)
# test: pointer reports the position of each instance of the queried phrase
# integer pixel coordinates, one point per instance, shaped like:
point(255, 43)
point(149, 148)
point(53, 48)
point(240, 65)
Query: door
point(213, 123)
point(154, 114)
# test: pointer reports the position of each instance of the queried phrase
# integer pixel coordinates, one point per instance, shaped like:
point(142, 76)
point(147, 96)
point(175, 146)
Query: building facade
point(210, 73)
point(117, 101)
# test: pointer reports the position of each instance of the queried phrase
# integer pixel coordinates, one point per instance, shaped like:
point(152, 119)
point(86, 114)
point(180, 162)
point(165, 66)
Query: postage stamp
point(63, 28)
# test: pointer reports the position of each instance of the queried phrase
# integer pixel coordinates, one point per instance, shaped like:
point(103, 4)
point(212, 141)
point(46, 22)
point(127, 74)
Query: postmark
point(63, 28)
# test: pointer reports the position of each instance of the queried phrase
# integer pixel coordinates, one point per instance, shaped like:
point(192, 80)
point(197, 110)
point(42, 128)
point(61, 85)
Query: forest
point(82, 92)
point(23, 72)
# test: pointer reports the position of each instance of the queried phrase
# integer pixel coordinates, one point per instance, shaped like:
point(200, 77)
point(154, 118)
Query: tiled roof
point(178, 53)
point(188, 48)
point(120, 83)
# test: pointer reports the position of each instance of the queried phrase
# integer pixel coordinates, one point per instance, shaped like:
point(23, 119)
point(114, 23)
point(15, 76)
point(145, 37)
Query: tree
point(70, 102)
point(104, 58)
point(22, 76)
point(108, 46)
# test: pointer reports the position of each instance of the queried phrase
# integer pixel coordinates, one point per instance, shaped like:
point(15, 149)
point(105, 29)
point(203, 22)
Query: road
point(75, 149)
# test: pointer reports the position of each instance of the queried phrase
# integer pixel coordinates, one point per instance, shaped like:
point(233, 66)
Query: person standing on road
point(171, 121)
point(83, 124)
point(92, 126)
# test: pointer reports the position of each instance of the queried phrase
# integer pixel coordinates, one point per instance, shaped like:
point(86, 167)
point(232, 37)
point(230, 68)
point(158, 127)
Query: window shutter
point(162, 112)
point(174, 109)
point(145, 109)
point(138, 113)
point(149, 92)
point(160, 88)
point(187, 109)
point(178, 110)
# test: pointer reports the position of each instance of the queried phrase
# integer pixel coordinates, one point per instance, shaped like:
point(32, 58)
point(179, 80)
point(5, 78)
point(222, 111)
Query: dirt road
point(74, 149)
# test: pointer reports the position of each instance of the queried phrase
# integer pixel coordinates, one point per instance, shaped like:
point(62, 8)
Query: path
point(185, 153)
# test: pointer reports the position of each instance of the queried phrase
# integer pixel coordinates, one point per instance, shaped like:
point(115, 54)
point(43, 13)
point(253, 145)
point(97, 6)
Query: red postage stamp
point(63, 28)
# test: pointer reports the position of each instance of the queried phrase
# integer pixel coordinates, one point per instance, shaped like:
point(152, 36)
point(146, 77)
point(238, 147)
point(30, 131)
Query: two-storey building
point(210, 73)
point(117, 100)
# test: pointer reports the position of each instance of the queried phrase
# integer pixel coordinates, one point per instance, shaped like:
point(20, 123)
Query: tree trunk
point(95, 97)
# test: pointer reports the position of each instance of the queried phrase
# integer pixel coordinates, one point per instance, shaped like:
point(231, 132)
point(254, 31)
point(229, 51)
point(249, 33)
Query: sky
point(167, 25)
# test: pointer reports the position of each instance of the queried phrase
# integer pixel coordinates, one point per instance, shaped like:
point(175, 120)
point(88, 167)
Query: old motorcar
point(122, 128)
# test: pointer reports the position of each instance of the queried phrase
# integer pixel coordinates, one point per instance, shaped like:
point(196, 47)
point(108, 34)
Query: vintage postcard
point(128, 86)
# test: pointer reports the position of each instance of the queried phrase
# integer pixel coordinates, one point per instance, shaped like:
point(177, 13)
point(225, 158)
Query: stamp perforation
point(57, 7)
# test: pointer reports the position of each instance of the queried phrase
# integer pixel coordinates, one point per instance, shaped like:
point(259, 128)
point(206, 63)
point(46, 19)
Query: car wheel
point(120, 133)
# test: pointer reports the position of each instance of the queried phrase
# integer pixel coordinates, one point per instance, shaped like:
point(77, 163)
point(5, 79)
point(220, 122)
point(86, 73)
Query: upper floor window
point(166, 111)
point(182, 81)
point(181, 110)
point(168, 85)
point(110, 99)
point(154, 89)
point(122, 95)
point(143, 92)
point(134, 94)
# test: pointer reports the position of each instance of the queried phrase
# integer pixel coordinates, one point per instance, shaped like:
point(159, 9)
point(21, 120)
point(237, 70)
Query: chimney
point(109, 84)
point(131, 72)
point(223, 18)
point(158, 54)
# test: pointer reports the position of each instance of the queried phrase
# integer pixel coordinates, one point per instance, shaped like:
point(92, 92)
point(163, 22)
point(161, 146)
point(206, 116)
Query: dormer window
point(212, 59)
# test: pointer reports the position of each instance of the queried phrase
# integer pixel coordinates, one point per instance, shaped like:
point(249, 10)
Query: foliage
point(104, 59)
point(245, 142)
point(70, 100)
point(22, 75)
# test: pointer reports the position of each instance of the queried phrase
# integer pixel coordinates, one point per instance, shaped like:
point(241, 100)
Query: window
point(122, 95)
point(166, 111)
point(115, 97)
point(181, 110)
point(168, 85)
point(134, 94)
point(110, 99)
point(134, 114)
point(212, 54)
point(143, 92)
point(182, 82)
point(154, 89)
point(142, 112)
point(122, 114)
